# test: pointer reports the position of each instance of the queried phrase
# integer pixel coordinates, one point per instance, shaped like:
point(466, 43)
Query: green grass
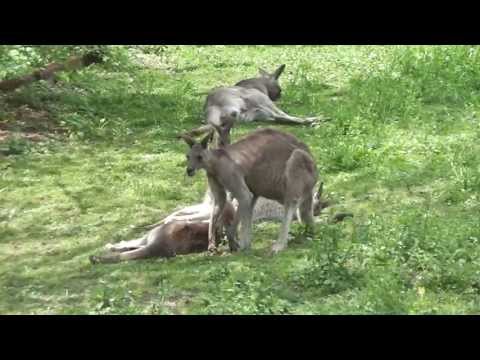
point(401, 152)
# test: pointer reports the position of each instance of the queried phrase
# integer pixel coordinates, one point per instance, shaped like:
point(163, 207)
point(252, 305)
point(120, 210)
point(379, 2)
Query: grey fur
point(266, 163)
point(250, 100)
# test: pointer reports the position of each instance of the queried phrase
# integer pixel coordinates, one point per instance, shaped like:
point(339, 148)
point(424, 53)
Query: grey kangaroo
point(250, 100)
point(265, 209)
point(267, 163)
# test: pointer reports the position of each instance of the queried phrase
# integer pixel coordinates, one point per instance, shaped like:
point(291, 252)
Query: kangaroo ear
point(320, 191)
point(276, 74)
point(207, 139)
point(189, 140)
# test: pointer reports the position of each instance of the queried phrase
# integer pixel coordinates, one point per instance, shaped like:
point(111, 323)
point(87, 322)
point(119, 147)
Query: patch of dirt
point(3, 135)
point(29, 124)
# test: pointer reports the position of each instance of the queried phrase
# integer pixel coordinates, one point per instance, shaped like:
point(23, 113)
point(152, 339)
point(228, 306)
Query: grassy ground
point(401, 152)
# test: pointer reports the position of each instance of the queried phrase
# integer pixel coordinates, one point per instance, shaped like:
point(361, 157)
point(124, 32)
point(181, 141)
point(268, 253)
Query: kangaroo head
point(266, 83)
point(197, 152)
point(270, 81)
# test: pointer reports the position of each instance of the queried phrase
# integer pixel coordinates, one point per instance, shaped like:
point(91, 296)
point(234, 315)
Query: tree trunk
point(48, 73)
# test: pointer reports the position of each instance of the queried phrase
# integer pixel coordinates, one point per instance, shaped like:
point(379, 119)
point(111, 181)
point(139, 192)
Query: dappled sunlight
point(398, 148)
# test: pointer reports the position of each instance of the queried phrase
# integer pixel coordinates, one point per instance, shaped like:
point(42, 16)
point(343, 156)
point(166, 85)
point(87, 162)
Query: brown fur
point(166, 240)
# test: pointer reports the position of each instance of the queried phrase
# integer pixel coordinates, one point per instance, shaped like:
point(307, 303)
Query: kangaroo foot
point(104, 259)
point(338, 217)
point(317, 120)
point(233, 246)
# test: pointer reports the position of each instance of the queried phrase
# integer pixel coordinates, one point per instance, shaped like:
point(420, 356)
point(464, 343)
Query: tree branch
point(48, 72)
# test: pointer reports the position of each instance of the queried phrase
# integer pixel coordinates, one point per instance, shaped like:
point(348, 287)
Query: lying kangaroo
point(250, 100)
point(267, 163)
point(186, 231)
point(264, 210)
point(167, 240)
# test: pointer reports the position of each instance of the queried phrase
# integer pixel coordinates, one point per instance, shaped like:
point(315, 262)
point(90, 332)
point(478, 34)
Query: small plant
point(328, 263)
point(14, 146)
point(245, 293)
point(114, 301)
point(385, 292)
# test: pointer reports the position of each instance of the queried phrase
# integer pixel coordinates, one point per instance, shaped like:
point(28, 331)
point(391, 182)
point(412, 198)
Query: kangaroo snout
point(190, 171)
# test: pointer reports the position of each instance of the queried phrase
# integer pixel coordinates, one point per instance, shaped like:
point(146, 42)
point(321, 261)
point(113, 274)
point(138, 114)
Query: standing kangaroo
point(265, 209)
point(250, 100)
point(267, 163)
